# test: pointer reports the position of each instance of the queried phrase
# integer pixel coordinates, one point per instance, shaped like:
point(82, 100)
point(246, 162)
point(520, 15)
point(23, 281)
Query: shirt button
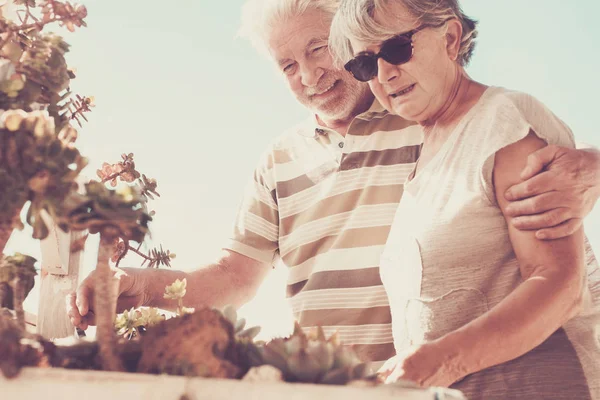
point(320, 131)
point(341, 145)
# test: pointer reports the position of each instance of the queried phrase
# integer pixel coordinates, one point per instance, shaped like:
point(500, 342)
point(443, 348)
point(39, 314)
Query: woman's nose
point(386, 72)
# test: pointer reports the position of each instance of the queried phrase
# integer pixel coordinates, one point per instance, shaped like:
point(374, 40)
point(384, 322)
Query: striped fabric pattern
point(323, 204)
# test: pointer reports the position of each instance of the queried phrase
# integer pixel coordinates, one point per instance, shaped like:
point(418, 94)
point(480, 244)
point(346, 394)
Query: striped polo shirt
point(323, 204)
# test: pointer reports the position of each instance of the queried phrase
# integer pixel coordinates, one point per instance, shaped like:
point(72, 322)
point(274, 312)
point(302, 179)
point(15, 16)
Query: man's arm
point(233, 280)
point(560, 188)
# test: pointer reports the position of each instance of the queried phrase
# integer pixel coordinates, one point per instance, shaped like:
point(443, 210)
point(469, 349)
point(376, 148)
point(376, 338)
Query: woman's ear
point(453, 38)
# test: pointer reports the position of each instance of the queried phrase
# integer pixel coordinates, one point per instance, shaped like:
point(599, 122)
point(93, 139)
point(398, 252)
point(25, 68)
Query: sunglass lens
point(397, 51)
point(363, 68)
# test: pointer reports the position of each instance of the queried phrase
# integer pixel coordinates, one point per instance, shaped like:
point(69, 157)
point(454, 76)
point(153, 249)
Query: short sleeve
point(256, 227)
point(509, 117)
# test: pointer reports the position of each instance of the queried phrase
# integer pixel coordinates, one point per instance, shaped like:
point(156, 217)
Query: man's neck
point(341, 125)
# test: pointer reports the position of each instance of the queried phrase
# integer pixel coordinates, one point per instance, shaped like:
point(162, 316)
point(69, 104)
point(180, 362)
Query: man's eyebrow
point(314, 41)
point(283, 61)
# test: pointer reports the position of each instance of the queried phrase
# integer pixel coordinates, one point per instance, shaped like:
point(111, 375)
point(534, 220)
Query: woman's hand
point(425, 365)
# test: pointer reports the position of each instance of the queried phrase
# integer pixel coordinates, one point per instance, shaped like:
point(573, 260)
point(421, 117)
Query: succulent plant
point(312, 358)
point(36, 165)
point(176, 291)
point(17, 275)
point(239, 325)
point(246, 351)
point(134, 322)
point(112, 213)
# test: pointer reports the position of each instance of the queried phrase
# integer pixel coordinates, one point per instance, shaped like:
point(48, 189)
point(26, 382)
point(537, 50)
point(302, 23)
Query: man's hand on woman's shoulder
point(560, 188)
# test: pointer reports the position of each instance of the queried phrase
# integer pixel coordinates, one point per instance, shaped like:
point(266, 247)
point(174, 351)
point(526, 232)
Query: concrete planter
point(55, 383)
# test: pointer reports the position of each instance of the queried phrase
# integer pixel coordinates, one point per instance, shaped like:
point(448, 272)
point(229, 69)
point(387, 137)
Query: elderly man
point(324, 195)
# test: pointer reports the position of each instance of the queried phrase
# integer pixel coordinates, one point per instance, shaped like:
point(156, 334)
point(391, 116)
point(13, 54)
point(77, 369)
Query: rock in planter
point(195, 344)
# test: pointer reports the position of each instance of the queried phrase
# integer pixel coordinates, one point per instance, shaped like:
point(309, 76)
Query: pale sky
point(197, 105)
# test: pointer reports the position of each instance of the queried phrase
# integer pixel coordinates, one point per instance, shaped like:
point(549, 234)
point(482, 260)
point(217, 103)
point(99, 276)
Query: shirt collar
point(312, 128)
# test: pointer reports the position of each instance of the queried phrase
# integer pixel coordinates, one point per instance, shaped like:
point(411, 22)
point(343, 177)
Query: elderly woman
point(476, 303)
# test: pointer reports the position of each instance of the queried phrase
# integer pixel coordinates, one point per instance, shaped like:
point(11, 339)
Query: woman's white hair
point(260, 16)
point(355, 20)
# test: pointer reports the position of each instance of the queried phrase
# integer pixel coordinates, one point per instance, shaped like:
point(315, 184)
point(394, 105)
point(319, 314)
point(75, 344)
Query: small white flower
point(176, 290)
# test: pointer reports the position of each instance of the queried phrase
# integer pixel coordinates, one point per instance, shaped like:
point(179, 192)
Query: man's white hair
point(259, 17)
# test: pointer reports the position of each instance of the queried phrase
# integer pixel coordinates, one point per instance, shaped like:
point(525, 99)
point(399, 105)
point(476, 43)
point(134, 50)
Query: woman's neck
point(463, 96)
point(455, 104)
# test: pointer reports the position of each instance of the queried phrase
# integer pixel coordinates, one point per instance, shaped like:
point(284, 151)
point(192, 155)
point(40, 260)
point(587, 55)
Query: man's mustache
point(322, 87)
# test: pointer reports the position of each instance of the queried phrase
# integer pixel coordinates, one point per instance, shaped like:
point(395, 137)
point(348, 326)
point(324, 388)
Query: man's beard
point(341, 105)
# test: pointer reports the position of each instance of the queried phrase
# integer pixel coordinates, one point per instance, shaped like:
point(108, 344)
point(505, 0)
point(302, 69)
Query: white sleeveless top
point(449, 259)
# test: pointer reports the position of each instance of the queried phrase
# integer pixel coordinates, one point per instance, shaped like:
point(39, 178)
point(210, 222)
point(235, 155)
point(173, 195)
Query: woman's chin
point(405, 112)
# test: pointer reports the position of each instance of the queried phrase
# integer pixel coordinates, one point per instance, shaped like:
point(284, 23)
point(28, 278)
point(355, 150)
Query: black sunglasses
point(397, 50)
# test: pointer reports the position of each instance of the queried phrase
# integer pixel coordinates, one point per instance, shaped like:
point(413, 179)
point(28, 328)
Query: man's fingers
point(72, 310)
point(75, 317)
point(394, 375)
point(565, 229)
point(84, 297)
point(536, 204)
point(536, 185)
point(544, 220)
point(89, 319)
point(537, 161)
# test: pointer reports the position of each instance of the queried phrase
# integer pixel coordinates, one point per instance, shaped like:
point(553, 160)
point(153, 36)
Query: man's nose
point(386, 72)
point(311, 74)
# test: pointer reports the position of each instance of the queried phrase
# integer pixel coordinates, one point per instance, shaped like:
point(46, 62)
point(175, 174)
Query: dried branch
point(78, 107)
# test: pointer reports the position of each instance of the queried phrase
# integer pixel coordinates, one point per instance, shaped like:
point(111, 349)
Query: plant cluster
point(125, 172)
point(39, 163)
point(39, 166)
point(308, 357)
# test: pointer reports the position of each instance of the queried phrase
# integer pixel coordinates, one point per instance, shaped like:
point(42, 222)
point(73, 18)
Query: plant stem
point(6, 230)
point(180, 307)
point(105, 307)
point(111, 177)
point(18, 297)
point(4, 295)
point(139, 253)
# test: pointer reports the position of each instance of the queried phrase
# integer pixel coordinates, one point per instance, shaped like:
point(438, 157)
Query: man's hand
point(560, 187)
point(80, 304)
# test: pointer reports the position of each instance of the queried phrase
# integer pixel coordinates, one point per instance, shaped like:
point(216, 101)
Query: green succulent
point(246, 353)
point(36, 165)
point(112, 213)
point(312, 358)
point(239, 325)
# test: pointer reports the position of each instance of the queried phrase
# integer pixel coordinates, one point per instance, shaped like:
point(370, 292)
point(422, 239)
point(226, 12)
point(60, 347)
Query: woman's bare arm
point(551, 293)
